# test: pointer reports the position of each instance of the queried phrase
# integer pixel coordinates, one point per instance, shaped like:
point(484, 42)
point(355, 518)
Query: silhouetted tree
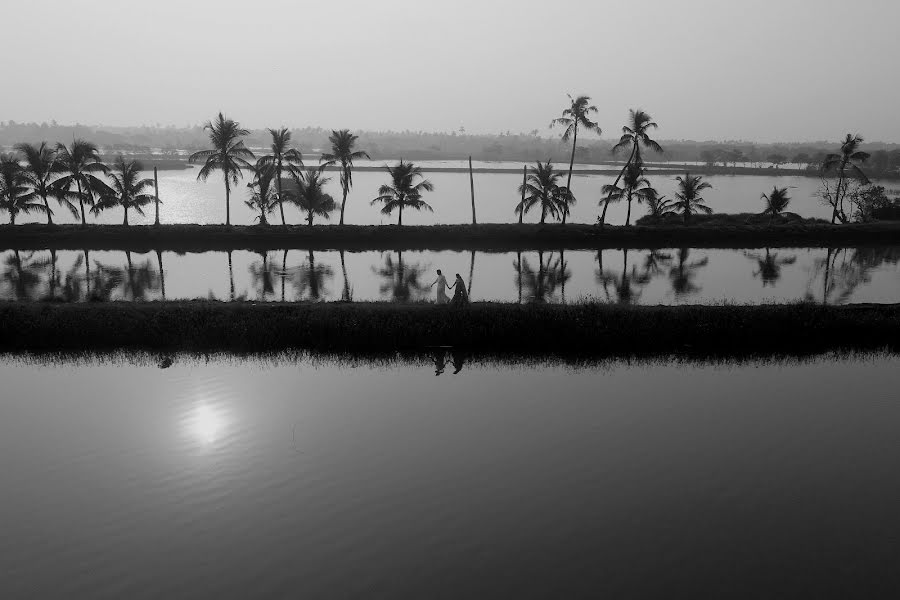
point(263, 275)
point(310, 195)
point(659, 207)
point(682, 275)
point(14, 195)
point(342, 152)
point(688, 196)
point(846, 165)
point(127, 190)
point(80, 162)
point(40, 169)
point(633, 186)
point(634, 135)
point(573, 117)
point(228, 154)
point(313, 277)
point(282, 158)
point(776, 202)
point(541, 188)
point(263, 197)
point(404, 191)
point(401, 281)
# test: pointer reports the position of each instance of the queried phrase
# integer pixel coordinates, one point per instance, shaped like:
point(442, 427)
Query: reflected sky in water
point(276, 478)
point(662, 276)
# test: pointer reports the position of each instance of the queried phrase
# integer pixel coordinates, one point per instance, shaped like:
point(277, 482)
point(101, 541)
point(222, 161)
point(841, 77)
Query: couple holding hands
point(460, 296)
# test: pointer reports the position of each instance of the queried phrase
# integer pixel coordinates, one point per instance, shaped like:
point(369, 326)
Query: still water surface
point(275, 478)
point(185, 200)
point(667, 276)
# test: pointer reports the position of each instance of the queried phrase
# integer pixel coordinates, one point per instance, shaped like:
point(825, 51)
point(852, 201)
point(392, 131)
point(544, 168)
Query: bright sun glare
point(205, 424)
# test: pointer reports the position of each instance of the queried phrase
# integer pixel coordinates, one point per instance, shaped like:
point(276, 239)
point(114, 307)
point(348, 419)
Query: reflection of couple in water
point(460, 296)
point(439, 357)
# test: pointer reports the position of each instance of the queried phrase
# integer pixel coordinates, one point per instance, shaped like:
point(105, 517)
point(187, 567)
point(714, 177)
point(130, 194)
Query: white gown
point(442, 290)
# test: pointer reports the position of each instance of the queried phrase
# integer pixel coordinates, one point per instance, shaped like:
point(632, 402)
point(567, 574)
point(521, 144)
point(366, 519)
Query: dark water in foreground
point(663, 276)
point(234, 478)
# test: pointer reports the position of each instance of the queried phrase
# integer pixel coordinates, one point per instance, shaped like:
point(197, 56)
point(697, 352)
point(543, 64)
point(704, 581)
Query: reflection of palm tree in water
point(843, 272)
point(21, 275)
point(140, 279)
point(401, 281)
point(313, 277)
point(263, 276)
point(769, 266)
point(541, 283)
point(626, 286)
point(347, 291)
point(682, 275)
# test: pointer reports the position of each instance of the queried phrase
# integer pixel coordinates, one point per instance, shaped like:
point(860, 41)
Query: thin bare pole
point(156, 193)
point(472, 187)
point(524, 181)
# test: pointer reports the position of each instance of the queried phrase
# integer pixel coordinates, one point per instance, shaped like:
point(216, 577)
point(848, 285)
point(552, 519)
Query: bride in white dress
point(441, 283)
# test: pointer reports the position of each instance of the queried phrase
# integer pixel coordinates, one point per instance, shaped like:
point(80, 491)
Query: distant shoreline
point(500, 329)
point(728, 232)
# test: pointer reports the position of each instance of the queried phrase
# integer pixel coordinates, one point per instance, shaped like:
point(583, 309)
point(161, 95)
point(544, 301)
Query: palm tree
point(282, 156)
point(846, 164)
point(633, 186)
point(342, 143)
point(79, 162)
point(262, 197)
point(14, 194)
point(265, 275)
point(577, 114)
point(127, 191)
point(310, 195)
point(313, 276)
point(659, 207)
point(228, 154)
point(688, 195)
point(776, 202)
point(635, 135)
point(404, 191)
point(40, 168)
point(625, 286)
point(541, 283)
point(541, 188)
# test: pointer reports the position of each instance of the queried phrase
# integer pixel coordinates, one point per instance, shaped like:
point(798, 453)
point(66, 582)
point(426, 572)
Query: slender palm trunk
point(227, 201)
point(471, 273)
point(125, 222)
point(156, 195)
point(47, 206)
point(562, 273)
point(87, 274)
point(81, 204)
point(314, 290)
point(12, 216)
point(616, 182)
point(283, 272)
point(278, 186)
point(472, 188)
point(343, 200)
point(519, 269)
point(130, 273)
point(543, 211)
point(571, 165)
point(309, 218)
point(628, 216)
point(827, 273)
point(400, 219)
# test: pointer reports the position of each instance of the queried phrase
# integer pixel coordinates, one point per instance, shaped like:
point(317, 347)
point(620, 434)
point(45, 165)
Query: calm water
point(668, 276)
point(281, 479)
point(185, 200)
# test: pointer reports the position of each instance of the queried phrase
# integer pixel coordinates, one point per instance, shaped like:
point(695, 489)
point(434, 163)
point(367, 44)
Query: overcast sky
point(762, 70)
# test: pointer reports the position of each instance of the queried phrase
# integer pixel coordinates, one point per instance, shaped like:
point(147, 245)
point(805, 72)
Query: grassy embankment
point(589, 330)
point(715, 231)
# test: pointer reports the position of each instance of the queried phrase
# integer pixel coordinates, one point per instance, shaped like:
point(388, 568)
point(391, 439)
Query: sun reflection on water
point(206, 424)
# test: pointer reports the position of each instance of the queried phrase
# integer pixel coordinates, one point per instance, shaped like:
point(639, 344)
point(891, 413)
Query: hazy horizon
point(778, 73)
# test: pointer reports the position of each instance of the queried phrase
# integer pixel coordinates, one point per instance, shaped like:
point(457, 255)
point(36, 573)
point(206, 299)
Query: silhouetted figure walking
point(460, 296)
point(441, 283)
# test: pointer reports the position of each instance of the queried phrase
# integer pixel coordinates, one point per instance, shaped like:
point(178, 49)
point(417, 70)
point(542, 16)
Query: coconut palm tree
point(633, 186)
point(342, 143)
point(310, 195)
point(80, 163)
point(634, 135)
point(262, 197)
point(40, 169)
point(282, 158)
point(404, 190)
point(14, 194)
point(228, 154)
point(575, 116)
point(127, 190)
point(541, 188)
point(659, 207)
point(846, 164)
point(776, 202)
point(688, 195)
